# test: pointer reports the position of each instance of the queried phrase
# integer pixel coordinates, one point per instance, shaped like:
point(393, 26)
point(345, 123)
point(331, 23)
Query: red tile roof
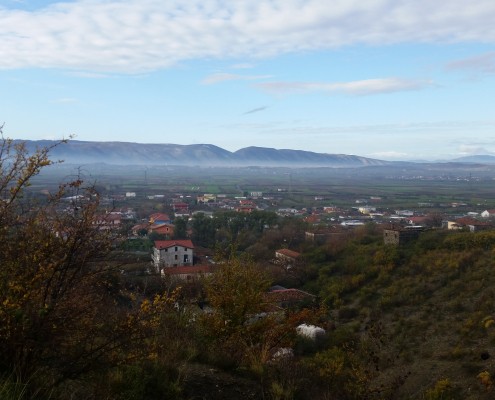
point(287, 295)
point(159, 217)
point(470, 221)
point(163, 228)
point(288, 253)
point(165, 244)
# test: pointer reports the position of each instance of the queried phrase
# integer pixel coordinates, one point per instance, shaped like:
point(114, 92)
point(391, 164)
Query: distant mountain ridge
point(125, 153)
point(478, 159)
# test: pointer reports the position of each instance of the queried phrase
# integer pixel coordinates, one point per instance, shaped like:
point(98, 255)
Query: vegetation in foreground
point(410, 322)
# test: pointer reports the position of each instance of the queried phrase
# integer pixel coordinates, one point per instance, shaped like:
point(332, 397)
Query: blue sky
point(389, 79)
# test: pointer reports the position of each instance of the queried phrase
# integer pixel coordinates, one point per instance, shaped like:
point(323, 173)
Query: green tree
point(204, 230)
point(180, 228)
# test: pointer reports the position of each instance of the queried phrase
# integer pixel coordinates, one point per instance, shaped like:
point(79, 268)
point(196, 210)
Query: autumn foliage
point(63, 313)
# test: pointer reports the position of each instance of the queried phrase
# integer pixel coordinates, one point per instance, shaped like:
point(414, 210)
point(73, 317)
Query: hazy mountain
point(269, 156)
point(122, 153)
point(478, 159)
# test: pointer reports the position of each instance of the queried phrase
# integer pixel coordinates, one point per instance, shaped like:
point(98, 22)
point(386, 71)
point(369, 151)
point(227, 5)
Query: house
point(159, 218)
point(488, 213)
point(398, 236)
point(287, 211)
point(313, 219)
point(246, 203)
point(366, 209)
point(108, 221)
point(287, 256)
point(245, 209)
point(180, 208)
point(404, 213)
point(287, 298)
point(471, 224)
point(320, 236)
point(418, 220)
point(206, 198)
point(162, 229)
point(172, 253)
point(139, 228)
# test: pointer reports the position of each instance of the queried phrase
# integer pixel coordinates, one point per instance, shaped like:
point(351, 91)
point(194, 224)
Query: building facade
point(172, 253)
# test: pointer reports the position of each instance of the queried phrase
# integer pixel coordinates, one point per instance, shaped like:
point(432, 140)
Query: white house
point(172, 253)
point(488, 213)
point(366, 209)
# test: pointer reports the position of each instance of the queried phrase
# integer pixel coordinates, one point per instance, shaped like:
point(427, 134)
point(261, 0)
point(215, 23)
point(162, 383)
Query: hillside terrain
point(84, 315)
point(425, 309)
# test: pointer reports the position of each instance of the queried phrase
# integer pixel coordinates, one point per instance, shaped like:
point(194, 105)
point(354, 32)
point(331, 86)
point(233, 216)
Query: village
point(258, 274)
point(177, 250)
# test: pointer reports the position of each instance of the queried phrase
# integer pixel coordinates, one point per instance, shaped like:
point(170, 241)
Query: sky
point(386, 79)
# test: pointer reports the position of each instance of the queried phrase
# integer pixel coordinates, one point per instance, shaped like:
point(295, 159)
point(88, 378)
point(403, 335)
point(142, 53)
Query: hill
point(477, 159)
point(123, 153)
point(425, 310)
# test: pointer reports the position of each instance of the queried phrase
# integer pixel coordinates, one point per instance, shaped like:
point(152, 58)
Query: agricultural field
point(295, 187)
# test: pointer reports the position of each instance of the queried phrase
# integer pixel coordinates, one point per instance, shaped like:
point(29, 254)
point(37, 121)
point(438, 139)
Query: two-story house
point(172, 253)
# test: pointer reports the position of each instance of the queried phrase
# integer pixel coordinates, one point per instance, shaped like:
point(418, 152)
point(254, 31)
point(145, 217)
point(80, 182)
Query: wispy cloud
point(222, 77)
point(242, 66)
point(255, 110)
point(470, 149)
point(426, 128)
point(389, 155)
point(87, 74)
point(146, 35)
point(481, 64)
point(358, 88)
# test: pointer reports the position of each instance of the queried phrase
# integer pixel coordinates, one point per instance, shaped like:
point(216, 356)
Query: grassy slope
point(432, 303)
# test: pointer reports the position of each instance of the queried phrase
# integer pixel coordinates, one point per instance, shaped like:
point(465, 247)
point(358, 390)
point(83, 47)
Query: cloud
point(394, 155)
point(469, 149)
point(358, 88)
point(242, 66)
point(145, 35)
point(87, 74)
point(255, 110)
point(482, 64)
point(222, 77)
point(425, 129)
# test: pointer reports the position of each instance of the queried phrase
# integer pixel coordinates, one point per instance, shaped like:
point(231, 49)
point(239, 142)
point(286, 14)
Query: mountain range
point(208, 155)
point(476, 159)
point(124, 153)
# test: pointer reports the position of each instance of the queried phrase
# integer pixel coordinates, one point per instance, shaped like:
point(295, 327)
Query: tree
point(62, 312)
point(243, 328)
point(180, 228)
point(203, 230)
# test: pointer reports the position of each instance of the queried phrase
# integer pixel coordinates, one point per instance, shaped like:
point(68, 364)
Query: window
point(176, 256)
point(176, 248)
